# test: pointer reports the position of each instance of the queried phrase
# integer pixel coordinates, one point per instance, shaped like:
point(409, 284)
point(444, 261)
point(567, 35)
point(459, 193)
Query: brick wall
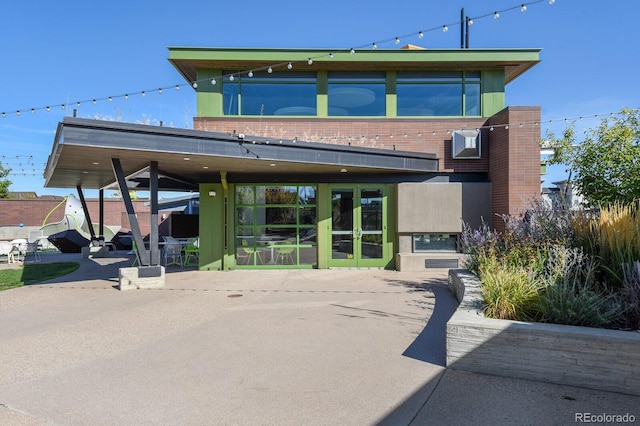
point(514, 161)
point(417, 135)
point(33, 212)
point(510, 157)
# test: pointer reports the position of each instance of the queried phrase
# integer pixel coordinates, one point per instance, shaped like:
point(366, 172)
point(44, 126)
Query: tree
point(605, 167)
point(4, 183)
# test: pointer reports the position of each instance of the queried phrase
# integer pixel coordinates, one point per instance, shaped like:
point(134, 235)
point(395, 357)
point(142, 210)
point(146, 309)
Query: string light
point(250, 74)
point(420, 34)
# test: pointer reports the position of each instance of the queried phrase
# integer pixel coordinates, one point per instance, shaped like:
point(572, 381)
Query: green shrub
point(571, 294)
point(508, 292)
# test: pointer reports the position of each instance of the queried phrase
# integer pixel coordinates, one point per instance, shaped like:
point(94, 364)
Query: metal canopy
point(83, 149)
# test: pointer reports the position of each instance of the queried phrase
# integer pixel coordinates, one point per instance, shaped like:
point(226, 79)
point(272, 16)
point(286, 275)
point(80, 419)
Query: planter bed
point(587, 357)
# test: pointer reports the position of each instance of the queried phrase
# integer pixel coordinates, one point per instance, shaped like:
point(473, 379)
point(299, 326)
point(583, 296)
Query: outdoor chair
point(191, 250)
point(33, 243)
point(250, 251)
point(172, 254)
point(6, 250)
point(134, 248)
point(19, 249)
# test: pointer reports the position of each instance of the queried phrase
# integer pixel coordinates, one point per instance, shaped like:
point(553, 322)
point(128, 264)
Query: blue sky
point(62, 52)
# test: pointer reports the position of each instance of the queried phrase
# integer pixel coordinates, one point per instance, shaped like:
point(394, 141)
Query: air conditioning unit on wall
point(465, 144)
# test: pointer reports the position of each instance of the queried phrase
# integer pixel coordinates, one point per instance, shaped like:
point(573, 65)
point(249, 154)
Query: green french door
point(358, 226)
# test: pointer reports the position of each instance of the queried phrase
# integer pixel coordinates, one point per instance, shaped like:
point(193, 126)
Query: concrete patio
point(316, 347)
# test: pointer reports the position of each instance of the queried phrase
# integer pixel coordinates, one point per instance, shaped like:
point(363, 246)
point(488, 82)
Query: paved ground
point(313, 347)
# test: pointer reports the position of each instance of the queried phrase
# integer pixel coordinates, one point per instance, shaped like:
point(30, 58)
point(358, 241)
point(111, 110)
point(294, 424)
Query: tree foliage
point(4, 182)
point(605, 166)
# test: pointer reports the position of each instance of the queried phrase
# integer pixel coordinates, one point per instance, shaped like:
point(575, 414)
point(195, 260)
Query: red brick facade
point(510, 156)
point(34, 212)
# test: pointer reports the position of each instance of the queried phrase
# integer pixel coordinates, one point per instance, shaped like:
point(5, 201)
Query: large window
point(276, 225)
point(434, 242)
point(276, 93)
point(358, 94)
point(438, 93)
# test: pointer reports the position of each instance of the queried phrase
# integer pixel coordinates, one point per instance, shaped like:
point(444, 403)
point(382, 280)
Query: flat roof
point(83, 148)
point(514, 62)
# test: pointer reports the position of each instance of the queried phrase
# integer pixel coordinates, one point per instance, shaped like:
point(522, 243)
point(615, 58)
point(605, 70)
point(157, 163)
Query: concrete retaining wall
point(578, 356)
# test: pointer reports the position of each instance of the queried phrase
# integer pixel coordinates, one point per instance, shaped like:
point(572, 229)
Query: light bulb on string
point(33, 111)
point(420, 34)
point(352, 50)
point(177, 87)
point(143, 93)
point(445, 28)
point(250, 73)
point(231, 77)
point(94, 102)
point(4, 115)
point(18, 113)
point(195, 85)
point(213, 81)
point(160, 91)
point(310, 61)
point(496, 15)
point(289, 65)
point(110, 99)
point(78, 104)
point(269, 70)
point(330, 55)
point(469, 21)
point(48, 109)
point(397, 40)
point(374, 46)
point(523, 8)
point(62, 106)
point(126, 97)
point(552, 1)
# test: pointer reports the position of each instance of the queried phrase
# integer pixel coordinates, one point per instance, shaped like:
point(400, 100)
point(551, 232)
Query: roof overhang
point(83, 149)
point(514, 62)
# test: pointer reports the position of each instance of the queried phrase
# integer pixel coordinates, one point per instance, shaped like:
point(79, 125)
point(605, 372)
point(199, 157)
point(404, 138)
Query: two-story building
point(317, 158)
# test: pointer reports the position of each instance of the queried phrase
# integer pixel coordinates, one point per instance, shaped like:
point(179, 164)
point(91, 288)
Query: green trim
point(211, 223)
point(388, 241)
point(324, 225)
point(391, 95)
point(209, 96)
point(492, 92)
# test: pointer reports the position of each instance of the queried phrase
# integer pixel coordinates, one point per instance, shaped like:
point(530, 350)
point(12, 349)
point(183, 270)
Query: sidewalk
point(315, 347)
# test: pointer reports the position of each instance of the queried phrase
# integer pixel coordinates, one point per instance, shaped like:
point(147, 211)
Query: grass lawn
point(34, 273)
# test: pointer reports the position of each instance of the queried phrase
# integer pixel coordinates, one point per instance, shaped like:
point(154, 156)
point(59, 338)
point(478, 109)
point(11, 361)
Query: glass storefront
point(276, 225)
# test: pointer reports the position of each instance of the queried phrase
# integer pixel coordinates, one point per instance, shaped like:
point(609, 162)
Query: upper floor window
point(438, 93)
point(276, 93)
point(356, 93)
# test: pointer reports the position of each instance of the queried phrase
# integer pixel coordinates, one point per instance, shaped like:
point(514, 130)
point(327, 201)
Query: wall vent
point(465, 144)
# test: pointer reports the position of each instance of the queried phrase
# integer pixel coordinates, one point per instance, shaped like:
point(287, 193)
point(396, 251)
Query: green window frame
point(276, 225)
point(356, 94)
point(438, 93)
point(276, 93)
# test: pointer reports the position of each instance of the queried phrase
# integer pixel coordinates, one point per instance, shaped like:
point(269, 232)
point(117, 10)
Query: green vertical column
point(324, 225)
point(211, 227)
point(209, 95)
point(391, 224)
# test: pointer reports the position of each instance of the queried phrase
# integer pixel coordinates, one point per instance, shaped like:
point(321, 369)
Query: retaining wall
point(569, 355)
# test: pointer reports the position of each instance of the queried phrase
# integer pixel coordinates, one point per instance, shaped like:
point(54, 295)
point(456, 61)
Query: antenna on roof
point(464, 30)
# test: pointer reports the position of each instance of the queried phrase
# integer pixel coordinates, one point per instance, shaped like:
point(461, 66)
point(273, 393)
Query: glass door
point(358, 226)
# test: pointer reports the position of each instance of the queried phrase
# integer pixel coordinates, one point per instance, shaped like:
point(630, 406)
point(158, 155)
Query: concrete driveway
point(314, 347)
point(305, 347)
